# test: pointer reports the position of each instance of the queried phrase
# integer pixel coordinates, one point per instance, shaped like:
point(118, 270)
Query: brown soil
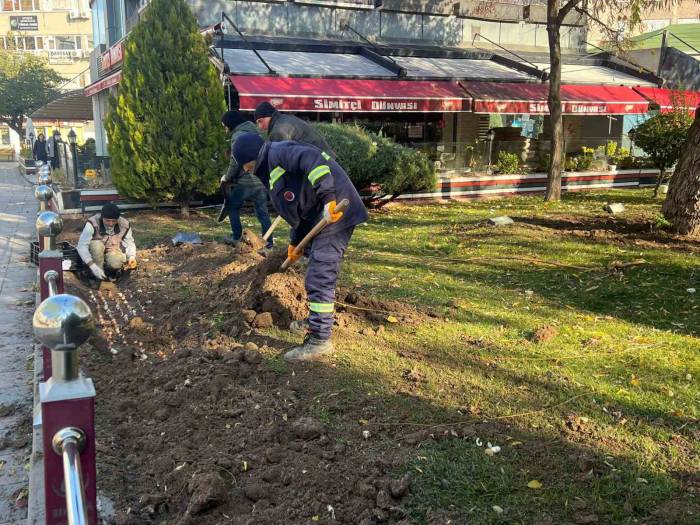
point(198, 423)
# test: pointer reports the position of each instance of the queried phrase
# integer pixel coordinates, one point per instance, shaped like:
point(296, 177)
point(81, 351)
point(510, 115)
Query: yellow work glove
point(291, 255)
point(131, 264)
point(329, 212)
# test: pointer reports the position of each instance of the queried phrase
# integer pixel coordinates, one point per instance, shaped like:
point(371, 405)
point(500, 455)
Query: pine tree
point(165, 136)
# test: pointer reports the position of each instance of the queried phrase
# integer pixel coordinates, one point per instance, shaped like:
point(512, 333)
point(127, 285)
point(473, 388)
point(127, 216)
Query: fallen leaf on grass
point(534, 484)
point(497, 509)
point(634, 381)
point(392, 319)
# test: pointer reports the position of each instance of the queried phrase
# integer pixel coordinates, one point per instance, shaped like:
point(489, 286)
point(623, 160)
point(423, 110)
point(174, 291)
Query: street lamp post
point(31, 140)
point(72, 138)
point(491, 136)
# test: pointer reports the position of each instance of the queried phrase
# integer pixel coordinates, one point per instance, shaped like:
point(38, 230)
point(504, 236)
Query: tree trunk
point(662, 175)
point(185, 210)
point(554, 99)
point(682, 204)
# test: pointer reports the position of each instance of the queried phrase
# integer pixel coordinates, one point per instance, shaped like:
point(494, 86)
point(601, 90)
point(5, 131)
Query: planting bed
point(198, 418)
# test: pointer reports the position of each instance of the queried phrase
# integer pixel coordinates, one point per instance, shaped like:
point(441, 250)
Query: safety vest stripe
point(326, 155)
point(321, 308)
point(318, 172)
point(275, 175)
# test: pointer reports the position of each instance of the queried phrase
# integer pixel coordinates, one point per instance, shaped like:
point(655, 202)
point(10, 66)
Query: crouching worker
point(305, 184)
point(107, 245)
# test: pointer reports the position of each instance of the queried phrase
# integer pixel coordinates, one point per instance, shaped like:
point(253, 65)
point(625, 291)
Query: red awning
point(496, 97)
point(666, 99)
point(105, 83)
point(350, 95)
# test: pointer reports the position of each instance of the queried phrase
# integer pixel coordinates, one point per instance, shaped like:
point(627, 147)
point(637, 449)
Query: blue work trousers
point(238, 195)
point(325, 257)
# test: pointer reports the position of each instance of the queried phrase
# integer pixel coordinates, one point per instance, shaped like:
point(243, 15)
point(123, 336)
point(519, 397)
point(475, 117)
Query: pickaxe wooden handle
point(299, 249)
point(272, 227)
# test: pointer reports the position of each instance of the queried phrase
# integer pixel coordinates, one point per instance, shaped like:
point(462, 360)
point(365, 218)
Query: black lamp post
point(72, 139)
point(491, 136)
point(31, 141)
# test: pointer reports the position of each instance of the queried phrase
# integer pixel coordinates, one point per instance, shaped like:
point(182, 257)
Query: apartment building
point(61, 32)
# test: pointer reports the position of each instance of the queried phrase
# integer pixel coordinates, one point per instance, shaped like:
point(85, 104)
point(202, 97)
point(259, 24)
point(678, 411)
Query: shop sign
point(356, 104)
point(113, 57)
point(103, 84)
point(24, 23)
point(568, 107)
point(61, 56)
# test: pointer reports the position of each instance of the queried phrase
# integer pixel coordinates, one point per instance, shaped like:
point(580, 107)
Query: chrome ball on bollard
point(49, 224)
point(45, 178)
point(63, 321)
point(45, 169)
point(43, 193)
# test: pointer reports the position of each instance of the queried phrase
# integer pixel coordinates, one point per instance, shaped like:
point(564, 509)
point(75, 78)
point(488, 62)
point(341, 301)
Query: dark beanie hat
point(110, 211)
point(247, 147)
point(231, 119)
point(264, 109)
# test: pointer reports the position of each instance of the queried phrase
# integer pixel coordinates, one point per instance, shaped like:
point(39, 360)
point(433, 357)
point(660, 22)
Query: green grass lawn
point(601, 409)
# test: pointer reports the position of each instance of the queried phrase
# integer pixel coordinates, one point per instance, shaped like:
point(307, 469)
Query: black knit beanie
point(264, 109)
point(232, 119)
point(110, 211)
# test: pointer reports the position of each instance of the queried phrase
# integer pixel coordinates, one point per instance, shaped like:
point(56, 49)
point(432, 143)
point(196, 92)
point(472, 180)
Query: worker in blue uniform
point(305, 184)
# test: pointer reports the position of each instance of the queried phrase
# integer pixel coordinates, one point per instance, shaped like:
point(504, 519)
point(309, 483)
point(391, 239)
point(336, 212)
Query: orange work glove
point(329, 212)
point(291, 255)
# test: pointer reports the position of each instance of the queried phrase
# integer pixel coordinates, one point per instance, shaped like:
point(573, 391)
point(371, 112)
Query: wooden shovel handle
point(299, 249)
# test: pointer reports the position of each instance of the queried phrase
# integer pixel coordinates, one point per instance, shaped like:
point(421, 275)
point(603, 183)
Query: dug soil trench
point(199, 421)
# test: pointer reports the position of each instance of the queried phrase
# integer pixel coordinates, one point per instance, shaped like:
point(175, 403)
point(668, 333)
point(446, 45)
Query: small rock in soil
point(307, 428)
point(399, 487)
point(384, 500)
point(208, 490)
point(263, 320)
point(367, 331)
point(251, 346)
point(252, 357)
point(255, 491)
point(249, 315)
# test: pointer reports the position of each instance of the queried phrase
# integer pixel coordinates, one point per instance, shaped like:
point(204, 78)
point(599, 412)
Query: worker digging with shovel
point(305, 184)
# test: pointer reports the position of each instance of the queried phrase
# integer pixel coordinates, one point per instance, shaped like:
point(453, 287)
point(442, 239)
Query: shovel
point(223, 213)
point(341, 207)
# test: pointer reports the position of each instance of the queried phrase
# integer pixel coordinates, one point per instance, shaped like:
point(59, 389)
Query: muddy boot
point(231, 241)
point(299, 327)
point(311, 349)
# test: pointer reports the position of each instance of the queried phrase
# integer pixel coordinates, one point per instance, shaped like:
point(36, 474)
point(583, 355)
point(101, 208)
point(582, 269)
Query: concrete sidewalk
point(18, 209)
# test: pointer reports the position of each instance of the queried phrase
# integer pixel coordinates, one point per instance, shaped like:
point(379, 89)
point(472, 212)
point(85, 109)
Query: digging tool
point(224, 208)
point(272, 227)
point(341, 207)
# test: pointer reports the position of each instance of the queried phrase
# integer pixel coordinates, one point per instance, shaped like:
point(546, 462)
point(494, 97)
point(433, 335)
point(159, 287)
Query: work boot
point(231, 241)
point(311, 349)
point(299, 327)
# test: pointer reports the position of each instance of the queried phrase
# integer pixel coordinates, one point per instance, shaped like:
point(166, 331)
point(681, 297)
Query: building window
point(5, 136)
point(99, 18)
point(20, 5)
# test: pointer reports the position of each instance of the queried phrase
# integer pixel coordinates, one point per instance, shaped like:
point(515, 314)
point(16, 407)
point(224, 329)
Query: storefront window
point(5, 136)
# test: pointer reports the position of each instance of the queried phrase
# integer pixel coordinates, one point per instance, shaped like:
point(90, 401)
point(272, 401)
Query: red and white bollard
point(62, 323)
point(49, 225)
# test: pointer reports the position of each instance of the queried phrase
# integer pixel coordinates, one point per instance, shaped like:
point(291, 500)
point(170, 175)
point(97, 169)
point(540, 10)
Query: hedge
point(372, 159)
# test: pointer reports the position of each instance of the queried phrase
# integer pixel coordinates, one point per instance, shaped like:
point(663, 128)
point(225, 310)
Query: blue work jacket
point(301, 179)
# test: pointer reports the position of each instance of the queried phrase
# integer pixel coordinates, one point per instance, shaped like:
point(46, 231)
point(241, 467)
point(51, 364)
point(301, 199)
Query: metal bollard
point(43, 194)
point(64, 322)
point(49, 225)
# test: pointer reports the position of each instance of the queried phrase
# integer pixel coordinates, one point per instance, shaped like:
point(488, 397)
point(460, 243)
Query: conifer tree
point(165, 136)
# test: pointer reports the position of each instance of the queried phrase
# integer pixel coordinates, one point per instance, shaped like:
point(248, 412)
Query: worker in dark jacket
point(243, 186)
point(305, 183)
point(279, 127)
